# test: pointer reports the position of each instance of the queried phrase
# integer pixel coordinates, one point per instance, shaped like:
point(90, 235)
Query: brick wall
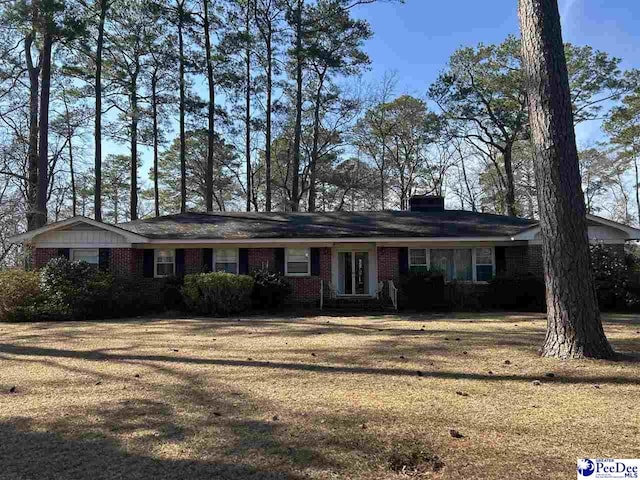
point(192, 260)
point(388, 267)
point(41, 256)
point(261, 258)
point(516, 260)
point(307, 289)
point(125, 261)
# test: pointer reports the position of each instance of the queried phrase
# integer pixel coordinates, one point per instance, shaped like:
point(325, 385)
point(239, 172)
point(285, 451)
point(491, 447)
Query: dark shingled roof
point(250, 225)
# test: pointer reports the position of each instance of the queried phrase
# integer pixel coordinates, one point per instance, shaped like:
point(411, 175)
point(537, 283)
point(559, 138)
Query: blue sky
point(417, 38)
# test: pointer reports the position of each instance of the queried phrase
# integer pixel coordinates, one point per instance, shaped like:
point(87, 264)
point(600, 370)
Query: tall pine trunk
point(269, 107)
point(510, 196)
point(297, 137)
point(574, 329)
point(183, 139)
point(156, 141)
point(134, 142)
point(43, 130)
point(32, 154)
point(247, 117)
point(97, 135)
point(211, 110)
point(314, 149)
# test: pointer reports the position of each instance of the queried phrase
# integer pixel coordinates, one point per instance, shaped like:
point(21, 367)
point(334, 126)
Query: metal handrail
point(393, 293)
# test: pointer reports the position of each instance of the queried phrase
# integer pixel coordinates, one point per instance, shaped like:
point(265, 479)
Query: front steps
point(358, 304)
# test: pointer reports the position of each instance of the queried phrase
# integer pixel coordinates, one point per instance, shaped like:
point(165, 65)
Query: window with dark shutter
point(104, 254)
point(147, 263)
point(243, 261)
point(315, 262)
point(207, 260)
point(279, 260)
point(403, 260)
point(179, 262)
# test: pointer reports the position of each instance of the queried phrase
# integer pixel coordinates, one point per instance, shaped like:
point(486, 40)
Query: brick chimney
point(426, 203)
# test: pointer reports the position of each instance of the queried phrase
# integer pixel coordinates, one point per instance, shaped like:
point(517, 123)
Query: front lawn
point(317, 397)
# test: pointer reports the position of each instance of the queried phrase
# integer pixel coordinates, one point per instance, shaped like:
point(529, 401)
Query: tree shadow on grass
point(93, 355)
point(27, 454)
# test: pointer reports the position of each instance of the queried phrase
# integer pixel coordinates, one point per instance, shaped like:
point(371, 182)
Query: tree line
point(260, 105)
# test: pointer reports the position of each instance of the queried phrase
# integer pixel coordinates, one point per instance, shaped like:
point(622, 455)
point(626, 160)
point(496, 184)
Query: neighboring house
point(343, 253)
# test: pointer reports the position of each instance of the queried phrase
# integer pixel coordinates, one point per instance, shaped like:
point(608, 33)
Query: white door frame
point(371, 251)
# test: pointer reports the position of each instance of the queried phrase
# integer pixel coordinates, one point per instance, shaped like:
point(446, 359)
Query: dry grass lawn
point(317, 397)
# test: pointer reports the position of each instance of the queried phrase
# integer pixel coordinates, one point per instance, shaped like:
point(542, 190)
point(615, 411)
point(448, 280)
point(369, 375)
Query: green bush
point(217, 293)
point(19, 295)
point(423, 290)
point(74, 291)
point(270, 289)
point(140, 296)
point(613, 279)
point(517, 293)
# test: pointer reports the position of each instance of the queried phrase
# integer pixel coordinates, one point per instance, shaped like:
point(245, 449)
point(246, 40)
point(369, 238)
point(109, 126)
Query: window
point(484, 264)
point(165, 263)
point(418, 259)
point(89, 255)
point(459, 264)
point(298, 262)
point(226, 260)
point(442, 261)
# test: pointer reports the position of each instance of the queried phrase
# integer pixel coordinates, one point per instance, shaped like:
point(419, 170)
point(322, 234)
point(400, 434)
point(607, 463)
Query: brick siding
point(41, 256)
point(307, 289)
point(388, 267)
point(126, 261)
point(516, 260)
point(193, 260)
point(261, 258)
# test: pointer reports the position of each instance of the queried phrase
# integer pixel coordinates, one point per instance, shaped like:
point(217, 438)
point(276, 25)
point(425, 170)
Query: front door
point(353, 273)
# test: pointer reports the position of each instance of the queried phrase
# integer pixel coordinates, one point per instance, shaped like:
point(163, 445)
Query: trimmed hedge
point(19, 295)
point(423, 290)
point(217, 293)
point(270, 289)
point(524, 293)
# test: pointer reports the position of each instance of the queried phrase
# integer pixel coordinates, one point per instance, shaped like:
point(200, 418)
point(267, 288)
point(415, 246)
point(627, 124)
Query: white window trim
point(214, 258)
point(286, 263)
point(72, 254)
point(155, 262)
point(473, 261)
point(427, 258)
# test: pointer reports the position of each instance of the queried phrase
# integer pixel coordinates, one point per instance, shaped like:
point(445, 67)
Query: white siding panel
point(600, 233)
point(79, 237)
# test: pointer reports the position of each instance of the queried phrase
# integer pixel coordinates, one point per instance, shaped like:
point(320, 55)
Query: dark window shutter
point(64, 252)
point(104, 254)
point(278, 260)
point(147, 263)
point(501, 260)
point(403, 260)
point(179, 262)
point(315, 262)
point(243, 261)
point(207, 260)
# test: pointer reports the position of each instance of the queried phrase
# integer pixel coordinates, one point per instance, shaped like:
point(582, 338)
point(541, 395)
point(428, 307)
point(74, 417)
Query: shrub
point(19, 295)
point(464, 295)
point(519, 293)
point(74, 290)
point(217, 293)
point(270, 289)
point(140, 296)
point(423, 290)
point(612, 278)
